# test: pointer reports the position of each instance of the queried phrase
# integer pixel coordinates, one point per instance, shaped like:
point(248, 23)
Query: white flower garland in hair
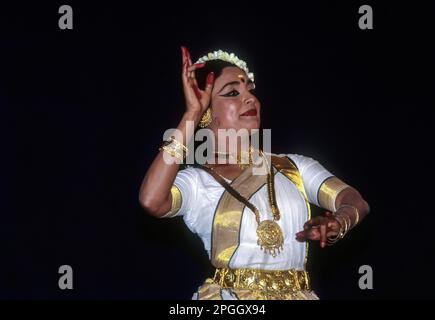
point(228, 57)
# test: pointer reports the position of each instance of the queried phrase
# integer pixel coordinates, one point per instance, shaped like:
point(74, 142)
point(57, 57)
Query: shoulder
point(189, 171)
point(186, 179)
point(302, 162)
point(195, 177)
point(312, 172)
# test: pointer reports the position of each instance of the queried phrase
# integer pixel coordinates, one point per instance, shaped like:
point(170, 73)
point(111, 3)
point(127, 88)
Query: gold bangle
point(173, 152)
point(174, 148)
point(178, 144)
point(340, 235)
point(345, 225)
point(348, 221)
point(333, 240)
point(356, 213)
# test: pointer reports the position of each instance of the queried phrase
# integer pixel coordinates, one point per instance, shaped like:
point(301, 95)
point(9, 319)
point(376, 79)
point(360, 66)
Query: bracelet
point(344, 228)
point(356, 213)
point(339, 236)
point(172, 152)
point(174, 148)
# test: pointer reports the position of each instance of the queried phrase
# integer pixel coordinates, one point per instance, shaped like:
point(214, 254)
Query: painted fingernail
point(199, 65)
point(210, 78)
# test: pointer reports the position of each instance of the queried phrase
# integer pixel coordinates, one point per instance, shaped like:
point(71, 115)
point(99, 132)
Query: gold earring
point(206, 119)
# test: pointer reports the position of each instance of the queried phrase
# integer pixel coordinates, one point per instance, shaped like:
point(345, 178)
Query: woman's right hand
point(197, 100)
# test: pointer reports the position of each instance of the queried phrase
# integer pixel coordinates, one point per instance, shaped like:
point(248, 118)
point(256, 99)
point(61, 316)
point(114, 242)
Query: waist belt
point(263, 280)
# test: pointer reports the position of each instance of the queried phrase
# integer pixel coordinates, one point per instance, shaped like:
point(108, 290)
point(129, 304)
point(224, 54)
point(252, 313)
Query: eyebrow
point(232, 83)
point(228, 84)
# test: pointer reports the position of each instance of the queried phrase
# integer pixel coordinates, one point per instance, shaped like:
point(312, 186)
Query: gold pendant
point(270, 237)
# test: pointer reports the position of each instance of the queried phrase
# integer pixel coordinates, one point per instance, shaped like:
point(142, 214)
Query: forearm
point(155, 192)
point(350, 202)
point(337, 196)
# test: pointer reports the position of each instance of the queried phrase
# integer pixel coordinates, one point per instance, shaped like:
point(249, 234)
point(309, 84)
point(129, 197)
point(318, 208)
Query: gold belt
point(263, 280)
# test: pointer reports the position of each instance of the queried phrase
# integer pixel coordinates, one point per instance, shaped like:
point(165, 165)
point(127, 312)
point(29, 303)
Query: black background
point(83, 112)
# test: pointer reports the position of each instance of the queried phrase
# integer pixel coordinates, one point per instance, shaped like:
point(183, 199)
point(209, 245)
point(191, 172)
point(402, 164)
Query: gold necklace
point(240, 158)
point(269, 233)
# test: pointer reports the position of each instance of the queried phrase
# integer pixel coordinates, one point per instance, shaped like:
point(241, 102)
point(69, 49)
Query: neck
point(243, 157)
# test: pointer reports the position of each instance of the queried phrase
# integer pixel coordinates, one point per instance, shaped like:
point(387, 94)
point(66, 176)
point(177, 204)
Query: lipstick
point(249, 113)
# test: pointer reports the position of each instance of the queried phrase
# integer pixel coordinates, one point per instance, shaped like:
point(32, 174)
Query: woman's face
point(233, 103)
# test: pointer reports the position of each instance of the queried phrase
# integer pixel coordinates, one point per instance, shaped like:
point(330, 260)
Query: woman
point(255, 227)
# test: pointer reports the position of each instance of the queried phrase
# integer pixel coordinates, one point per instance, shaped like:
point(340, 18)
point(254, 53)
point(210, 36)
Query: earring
point(206, 119)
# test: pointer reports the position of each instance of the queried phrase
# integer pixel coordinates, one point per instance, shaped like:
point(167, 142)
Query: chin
point(251, 124)
point(251, 127)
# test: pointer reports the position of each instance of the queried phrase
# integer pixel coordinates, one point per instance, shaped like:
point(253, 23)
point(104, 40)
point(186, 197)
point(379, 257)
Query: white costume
point(200, 197)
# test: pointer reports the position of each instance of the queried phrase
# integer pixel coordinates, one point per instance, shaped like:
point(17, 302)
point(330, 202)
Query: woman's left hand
point(320, 229)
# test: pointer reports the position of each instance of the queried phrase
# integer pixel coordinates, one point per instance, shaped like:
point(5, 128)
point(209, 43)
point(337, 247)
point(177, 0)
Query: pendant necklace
point(270, 237)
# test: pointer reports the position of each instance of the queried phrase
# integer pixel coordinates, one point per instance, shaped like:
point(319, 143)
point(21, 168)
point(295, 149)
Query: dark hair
point(215, 66)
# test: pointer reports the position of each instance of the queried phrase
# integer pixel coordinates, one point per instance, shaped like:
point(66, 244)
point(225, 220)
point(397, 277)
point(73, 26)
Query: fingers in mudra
point(308, 234)
point(192, 78)
point(319, 229)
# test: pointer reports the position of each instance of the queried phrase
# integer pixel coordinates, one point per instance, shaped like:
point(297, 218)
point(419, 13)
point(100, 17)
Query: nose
point(249, 100)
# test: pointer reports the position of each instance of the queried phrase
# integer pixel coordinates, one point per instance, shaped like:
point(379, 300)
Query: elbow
point(359, 201)
point(366, 207)
point(150, 205)
point(363, 206)
point(353, 197)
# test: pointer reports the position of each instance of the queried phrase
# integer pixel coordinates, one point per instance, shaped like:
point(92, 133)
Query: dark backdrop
point(83, 112)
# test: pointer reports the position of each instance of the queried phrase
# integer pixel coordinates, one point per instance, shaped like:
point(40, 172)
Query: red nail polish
point(210, 78)
point(200, 65)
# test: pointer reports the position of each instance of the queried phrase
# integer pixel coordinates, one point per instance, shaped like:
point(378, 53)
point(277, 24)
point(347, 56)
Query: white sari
point(201, 194)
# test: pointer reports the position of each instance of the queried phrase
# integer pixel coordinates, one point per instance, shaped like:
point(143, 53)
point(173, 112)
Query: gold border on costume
point(289, 169)
point(228, 218)
point(176, 202)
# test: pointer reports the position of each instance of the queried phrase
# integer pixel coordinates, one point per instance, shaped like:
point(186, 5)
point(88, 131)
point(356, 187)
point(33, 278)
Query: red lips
point(251, 112)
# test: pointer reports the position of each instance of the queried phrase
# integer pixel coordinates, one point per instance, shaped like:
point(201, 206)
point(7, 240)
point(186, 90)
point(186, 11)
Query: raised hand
point(196, 100)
